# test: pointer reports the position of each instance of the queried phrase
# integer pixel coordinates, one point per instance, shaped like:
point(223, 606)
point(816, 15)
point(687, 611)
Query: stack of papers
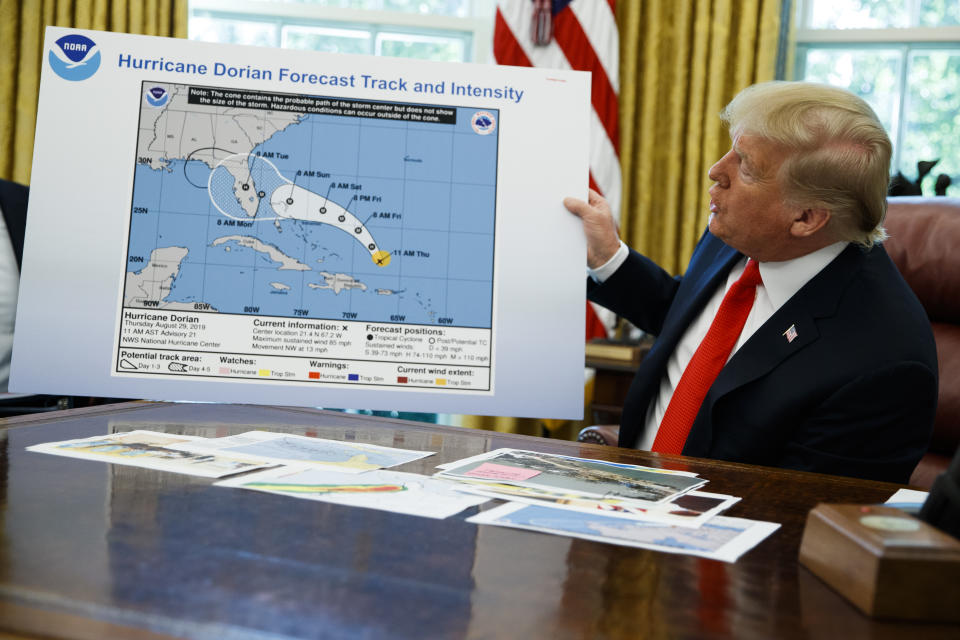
point(347, 473)
point(615, 503)
point(593, 484)
point(608, 502)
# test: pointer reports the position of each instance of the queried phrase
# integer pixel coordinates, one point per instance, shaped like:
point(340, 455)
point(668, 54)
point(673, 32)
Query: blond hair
point(840, 153)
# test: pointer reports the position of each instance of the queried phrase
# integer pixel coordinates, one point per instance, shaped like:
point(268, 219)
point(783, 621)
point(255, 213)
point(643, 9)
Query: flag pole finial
point(541, 27)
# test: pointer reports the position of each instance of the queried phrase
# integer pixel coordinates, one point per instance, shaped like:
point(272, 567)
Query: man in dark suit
point(830, 364)
point(13, 205)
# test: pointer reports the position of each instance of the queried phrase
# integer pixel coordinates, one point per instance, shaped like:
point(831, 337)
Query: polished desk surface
point(91, 550)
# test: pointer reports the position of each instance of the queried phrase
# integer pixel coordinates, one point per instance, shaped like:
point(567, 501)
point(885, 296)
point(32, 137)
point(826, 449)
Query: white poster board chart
point(252, 225)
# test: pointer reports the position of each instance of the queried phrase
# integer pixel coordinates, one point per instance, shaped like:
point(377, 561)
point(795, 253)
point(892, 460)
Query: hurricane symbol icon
point(74, 57)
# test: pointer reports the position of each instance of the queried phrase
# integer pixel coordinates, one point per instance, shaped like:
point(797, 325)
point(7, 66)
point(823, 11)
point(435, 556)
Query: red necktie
point(707, 362)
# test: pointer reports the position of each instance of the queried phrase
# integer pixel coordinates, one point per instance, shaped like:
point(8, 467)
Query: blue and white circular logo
point(157, 96)
point(483, 122)
point(74, 57)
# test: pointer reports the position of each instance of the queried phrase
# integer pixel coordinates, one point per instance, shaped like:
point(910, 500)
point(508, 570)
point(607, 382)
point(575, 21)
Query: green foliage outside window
point(914, 86)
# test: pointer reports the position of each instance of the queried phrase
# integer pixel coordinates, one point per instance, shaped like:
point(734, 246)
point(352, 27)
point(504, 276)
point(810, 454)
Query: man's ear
point(809, 221)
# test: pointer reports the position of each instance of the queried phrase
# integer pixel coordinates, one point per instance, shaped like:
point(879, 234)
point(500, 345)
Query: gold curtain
point(22, 24)
point(680, 63)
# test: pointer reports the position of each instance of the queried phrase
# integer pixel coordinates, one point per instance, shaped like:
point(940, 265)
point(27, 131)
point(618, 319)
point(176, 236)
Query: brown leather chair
point(924, 243)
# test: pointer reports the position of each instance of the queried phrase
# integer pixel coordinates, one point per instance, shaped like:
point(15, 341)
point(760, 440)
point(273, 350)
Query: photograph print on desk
point(151, 450)
point(394, 491)
point(286, 448)
point(574, 475)
point(722, 538)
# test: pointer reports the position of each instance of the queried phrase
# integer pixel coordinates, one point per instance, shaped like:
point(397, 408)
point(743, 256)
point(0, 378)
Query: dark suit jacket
point(853, 394)
point(13, 202)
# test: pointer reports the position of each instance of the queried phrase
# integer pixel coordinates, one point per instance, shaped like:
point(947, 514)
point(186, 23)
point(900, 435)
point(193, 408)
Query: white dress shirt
point(781, 280)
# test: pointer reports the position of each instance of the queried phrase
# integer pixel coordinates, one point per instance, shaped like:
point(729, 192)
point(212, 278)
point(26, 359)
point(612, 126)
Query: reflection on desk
point(96, 550)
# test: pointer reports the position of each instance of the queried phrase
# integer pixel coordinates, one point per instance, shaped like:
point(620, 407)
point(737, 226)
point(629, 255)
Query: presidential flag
point(579, 35)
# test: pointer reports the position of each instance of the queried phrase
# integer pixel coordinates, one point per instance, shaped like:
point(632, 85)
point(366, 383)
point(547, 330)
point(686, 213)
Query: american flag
point(582, 35)
point(791, 333)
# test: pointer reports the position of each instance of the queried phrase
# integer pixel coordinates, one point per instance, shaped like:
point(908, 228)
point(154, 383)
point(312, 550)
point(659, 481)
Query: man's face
point(747, 210)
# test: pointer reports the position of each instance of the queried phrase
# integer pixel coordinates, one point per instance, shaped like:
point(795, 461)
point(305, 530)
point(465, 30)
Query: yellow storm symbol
point(380, 258)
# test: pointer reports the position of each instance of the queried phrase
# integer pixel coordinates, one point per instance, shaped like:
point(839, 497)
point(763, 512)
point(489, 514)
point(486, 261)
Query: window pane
point(262, 34)
point(347, 4)
point(870, 73)
point(939, 13)
point(860, 14)
point(932, 116)
point(456, 8)
point(327, 40)
point(340, 4)
point(401, 45)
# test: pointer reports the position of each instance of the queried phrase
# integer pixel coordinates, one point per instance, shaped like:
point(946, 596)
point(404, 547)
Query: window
point(902, 57)
point(445, 30)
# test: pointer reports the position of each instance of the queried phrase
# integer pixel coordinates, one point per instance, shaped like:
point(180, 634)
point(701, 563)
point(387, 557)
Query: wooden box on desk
point(887, 563)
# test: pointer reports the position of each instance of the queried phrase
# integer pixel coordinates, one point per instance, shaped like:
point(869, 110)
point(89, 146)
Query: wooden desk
point(90, 550)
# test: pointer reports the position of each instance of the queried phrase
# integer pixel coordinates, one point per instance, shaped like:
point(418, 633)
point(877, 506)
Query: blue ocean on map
point(425, 193)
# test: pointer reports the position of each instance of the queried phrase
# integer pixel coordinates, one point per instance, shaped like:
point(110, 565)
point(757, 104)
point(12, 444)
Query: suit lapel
point(699, 285)
point(767, 347)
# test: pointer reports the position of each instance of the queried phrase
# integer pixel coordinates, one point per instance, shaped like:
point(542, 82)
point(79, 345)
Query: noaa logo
point(483, 122)
point(74, 57)
point(157, 96)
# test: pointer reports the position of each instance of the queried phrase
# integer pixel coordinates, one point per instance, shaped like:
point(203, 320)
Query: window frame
point(904, 39)
point(476, 29)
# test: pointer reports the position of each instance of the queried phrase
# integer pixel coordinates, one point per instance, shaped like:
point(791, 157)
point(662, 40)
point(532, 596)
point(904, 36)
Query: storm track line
point(286, 200)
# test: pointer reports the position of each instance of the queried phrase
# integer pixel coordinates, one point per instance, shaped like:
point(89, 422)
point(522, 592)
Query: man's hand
point(598, 225)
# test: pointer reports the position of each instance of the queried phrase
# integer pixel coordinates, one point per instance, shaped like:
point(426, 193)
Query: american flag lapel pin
point(791, 333)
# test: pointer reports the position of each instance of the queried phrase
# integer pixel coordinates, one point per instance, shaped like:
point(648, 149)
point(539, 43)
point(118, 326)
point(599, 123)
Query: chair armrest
point(931, 465)
point(607, 434)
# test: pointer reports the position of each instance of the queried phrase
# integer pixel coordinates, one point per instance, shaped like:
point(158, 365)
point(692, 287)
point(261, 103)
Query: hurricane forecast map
point(310, 239)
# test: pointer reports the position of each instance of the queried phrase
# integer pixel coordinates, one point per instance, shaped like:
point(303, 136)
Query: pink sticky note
point(492, 471)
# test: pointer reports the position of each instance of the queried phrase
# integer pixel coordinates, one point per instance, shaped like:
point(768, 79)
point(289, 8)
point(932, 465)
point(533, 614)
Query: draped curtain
point(680, 63)
point(22, 24)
